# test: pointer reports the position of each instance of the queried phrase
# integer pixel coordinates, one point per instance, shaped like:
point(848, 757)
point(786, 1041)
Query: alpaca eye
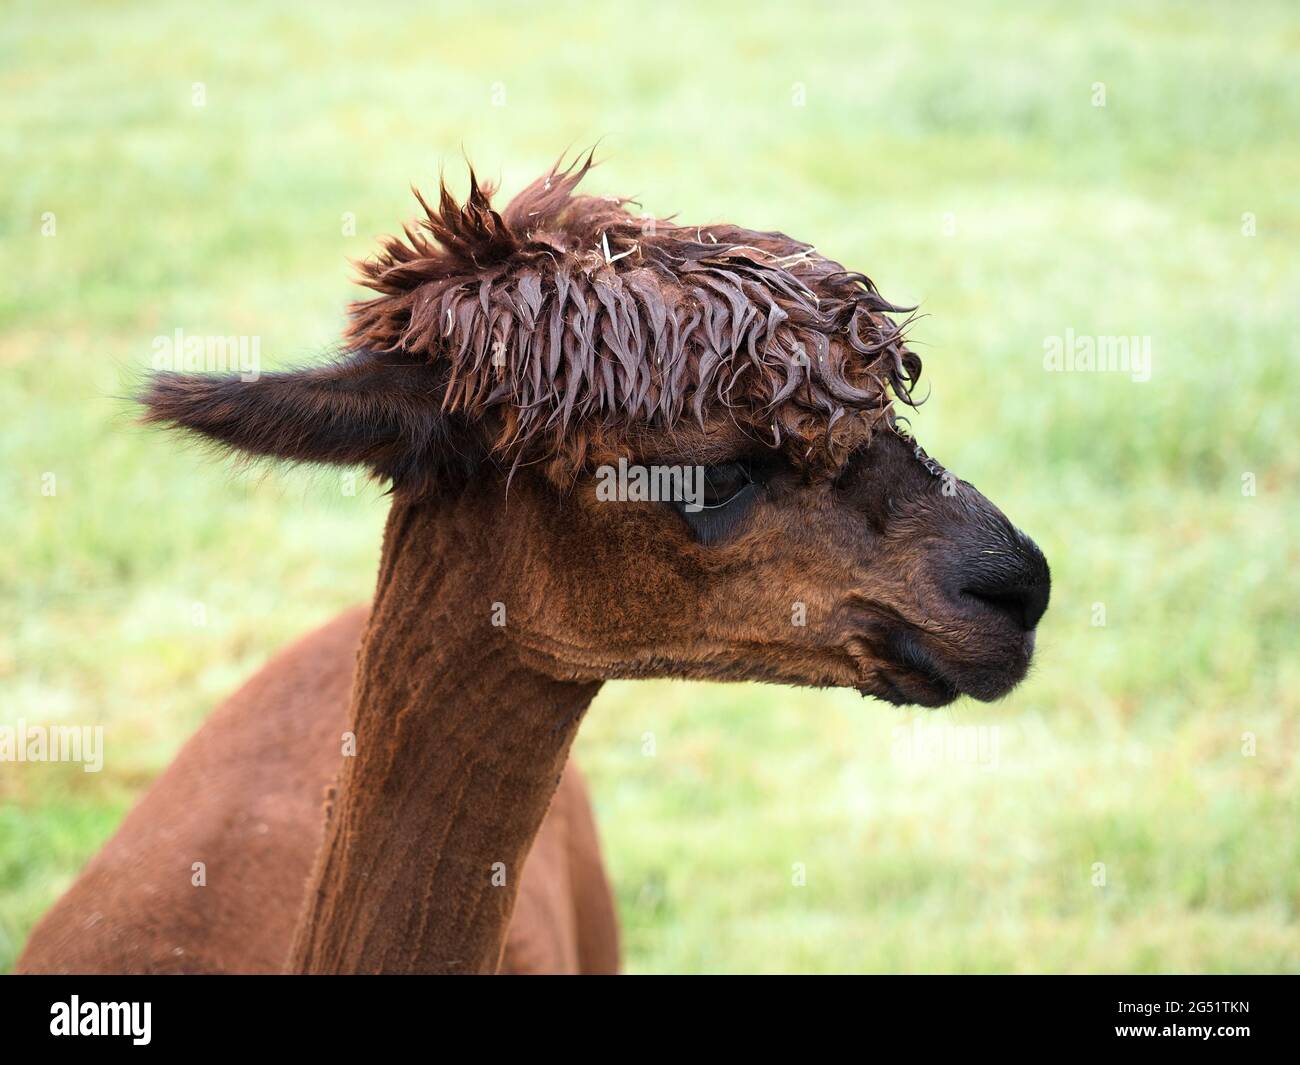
point(723, 497)
point(723, 483)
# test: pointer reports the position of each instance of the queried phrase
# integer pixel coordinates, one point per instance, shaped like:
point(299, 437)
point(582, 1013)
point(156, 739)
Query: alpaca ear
point(364, 410)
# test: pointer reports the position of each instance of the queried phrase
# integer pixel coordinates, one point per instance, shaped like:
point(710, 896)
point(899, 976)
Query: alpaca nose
point(1011, 580)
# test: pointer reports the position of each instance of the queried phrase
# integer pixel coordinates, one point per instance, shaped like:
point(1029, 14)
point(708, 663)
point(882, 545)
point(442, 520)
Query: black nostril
point(1015, 583)
point(1023, 605)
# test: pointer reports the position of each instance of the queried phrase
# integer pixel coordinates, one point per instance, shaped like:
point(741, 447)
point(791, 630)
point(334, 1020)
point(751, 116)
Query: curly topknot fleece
point(566, 321)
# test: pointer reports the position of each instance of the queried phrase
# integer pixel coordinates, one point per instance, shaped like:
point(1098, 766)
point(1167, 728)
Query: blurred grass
point(951, 152)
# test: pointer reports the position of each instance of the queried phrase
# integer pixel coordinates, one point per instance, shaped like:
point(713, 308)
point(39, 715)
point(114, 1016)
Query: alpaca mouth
point(913, 674)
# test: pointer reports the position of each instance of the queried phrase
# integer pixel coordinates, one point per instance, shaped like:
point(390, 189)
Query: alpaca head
point(688, 438)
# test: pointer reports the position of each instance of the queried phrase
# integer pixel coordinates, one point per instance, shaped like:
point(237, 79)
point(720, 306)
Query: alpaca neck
point(459, 747)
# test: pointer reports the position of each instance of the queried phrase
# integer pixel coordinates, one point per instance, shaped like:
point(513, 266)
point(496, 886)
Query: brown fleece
point(460, 746)
point(244, 796)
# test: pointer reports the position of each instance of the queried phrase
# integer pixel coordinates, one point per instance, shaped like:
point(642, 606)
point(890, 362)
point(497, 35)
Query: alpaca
point(503, 361)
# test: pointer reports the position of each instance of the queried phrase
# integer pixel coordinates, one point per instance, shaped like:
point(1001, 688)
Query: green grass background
point(952, 152)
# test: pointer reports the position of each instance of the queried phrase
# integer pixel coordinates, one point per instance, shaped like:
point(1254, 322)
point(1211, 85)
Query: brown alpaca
point(506, 365)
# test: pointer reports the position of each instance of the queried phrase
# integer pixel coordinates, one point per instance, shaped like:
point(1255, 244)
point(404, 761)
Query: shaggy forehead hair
point(572, 326)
